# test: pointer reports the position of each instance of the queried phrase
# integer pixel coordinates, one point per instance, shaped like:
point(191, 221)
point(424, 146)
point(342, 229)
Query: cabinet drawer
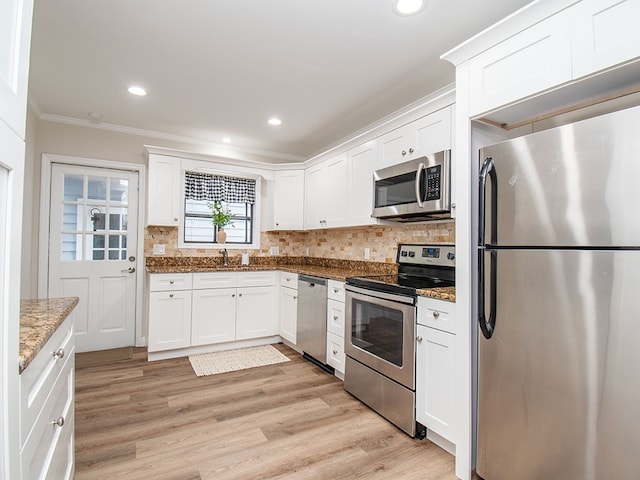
point(335, 317)
point(335, 290)
point(289, 280)
point(160, 282)
point(38, 378)
point(335, 352)
point(257, 279)
point(437, 314)
point(37, 454)
point(214, 280)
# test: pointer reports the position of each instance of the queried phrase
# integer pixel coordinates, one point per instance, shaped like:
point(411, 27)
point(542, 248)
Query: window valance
point(218, 188)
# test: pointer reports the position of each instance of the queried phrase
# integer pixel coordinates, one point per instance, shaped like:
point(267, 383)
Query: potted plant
point(221, 216)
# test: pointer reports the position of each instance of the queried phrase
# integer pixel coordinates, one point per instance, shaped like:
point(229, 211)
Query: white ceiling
point(216, 68)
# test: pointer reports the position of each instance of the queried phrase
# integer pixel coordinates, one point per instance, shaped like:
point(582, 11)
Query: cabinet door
point(288, 200)
point(213, 316)
point(335, 192)
point(362, 163)
point(435, 398)
point(604, 33)
point(163, 206)
point(288, 314)
point(256, 312)
point(169, 320)
point(431, 133)
point(335, 351)
point(392, 148)
point(314, 181)
point(15, 43)
point(543, 51)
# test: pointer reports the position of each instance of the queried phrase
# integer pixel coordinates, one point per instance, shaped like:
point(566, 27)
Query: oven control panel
point(418, 254)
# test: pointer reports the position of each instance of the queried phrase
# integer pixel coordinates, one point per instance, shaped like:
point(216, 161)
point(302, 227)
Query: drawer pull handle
point(59, 353)
point(419, 339)
point(59, 422)
point(436, 314)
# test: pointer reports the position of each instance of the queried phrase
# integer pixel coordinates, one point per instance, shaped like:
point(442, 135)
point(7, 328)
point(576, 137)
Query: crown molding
point(222, 150)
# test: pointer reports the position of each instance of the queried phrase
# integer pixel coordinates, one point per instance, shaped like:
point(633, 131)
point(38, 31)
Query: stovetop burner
point(419, 266)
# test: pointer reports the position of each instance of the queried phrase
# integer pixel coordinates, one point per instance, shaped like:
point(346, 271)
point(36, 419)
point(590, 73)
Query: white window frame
point(257, 207)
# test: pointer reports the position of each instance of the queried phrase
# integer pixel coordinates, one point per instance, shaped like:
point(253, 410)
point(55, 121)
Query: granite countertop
point(332, 269)
point(39, 318)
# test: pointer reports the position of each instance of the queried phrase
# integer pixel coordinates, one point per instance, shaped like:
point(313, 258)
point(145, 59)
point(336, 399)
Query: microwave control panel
point(432, 181)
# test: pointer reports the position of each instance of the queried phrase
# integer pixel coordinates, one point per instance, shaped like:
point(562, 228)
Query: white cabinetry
point(288, 202)
point(604, 33)
point(163, 205)
point(205, 309)
point(429, 134)
point(326, 194)
point(288, 310)
point(47, 409)
point(361, 163)
point(435, 370)
point(169, 311)
point(335, 326)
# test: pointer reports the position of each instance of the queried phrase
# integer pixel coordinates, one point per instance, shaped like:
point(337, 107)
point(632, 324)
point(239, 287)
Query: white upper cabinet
point(529, 62)
point(326, 194)
point(15, 43)
point(288, 200)
point(362, 162)
point(163, 205)
point(604, 33)
point(429, 134)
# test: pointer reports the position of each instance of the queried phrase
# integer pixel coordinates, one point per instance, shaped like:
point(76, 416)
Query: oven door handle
point(382, 295)
point(418, 192)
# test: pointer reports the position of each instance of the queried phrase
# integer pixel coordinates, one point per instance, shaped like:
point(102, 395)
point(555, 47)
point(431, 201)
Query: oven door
point(380, 332)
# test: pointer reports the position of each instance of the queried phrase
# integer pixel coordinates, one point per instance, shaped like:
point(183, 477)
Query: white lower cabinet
point(288, 306)
point(435, 370)
point(209, 309)
point(335, 326)
point(47, 409)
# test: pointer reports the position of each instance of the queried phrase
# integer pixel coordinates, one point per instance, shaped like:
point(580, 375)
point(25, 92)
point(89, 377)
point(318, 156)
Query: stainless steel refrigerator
point(559, 303)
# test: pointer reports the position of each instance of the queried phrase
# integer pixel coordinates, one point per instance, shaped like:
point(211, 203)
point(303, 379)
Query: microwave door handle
point(418, 192)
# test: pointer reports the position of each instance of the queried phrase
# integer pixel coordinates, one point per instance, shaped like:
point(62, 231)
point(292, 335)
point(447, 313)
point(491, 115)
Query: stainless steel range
point(380, 338)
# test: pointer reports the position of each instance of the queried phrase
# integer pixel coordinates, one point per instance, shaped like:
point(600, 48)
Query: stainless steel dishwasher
point(312, 319)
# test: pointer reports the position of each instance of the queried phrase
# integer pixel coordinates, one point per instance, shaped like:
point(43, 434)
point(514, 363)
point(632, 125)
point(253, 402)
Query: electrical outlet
point(274, 250)
point(367, 253)
point(158, 249)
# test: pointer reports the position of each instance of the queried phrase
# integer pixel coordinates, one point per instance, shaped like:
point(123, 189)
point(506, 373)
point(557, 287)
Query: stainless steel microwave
point(414, 191)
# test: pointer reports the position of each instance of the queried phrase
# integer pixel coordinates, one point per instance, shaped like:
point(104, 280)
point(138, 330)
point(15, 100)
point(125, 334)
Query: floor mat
point(232, 360)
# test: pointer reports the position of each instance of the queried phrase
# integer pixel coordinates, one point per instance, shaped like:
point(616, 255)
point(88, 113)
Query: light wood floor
point(141, 420)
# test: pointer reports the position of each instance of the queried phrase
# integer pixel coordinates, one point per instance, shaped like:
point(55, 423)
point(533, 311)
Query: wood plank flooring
point(141, 420)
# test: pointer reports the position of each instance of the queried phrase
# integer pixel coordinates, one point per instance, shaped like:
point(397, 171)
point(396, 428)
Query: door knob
point(130, 270)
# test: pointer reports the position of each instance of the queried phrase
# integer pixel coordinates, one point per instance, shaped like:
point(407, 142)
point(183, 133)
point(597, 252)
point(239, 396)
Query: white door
point(92, 248)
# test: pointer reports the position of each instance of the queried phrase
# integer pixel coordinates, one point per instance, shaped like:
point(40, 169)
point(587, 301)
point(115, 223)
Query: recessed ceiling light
point(137, 91)
point(275, 121)
point(409, 7)
point(226, 140)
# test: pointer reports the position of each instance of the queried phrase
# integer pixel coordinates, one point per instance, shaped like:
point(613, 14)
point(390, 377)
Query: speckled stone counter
point(444, 293)
point(39, 318)
point(333, 269)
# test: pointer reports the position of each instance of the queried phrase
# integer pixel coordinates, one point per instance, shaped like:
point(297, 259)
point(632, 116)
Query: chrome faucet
point(225, 257)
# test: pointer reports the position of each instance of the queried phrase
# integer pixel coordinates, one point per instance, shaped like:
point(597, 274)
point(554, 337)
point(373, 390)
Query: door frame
point(48, 159)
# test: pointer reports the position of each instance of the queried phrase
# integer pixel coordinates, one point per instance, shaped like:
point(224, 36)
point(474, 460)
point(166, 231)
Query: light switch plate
point(158, 249)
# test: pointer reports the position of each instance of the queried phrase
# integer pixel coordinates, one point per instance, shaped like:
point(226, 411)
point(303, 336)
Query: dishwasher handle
point(312, 281)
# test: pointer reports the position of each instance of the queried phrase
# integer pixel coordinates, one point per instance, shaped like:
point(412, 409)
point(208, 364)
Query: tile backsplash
point(340, 243)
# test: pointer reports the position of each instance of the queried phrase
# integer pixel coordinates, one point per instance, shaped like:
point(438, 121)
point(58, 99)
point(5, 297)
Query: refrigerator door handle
point(488, 168)
point(487, 325)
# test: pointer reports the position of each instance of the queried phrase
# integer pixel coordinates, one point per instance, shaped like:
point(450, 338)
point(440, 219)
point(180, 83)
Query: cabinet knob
point(335, 317)
point(419, 339)
point(411, 150)
point(59, 422)
point(233, 295)
point(239, 294)
point(171, 282)
point(335, 352)
point(336, 290)
point(436, 314)
point(404, 153)
point(175, 219)
point(59, 353)
point(295, 298)
point(288, 279)
point(277, 224)
point(171, 295)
